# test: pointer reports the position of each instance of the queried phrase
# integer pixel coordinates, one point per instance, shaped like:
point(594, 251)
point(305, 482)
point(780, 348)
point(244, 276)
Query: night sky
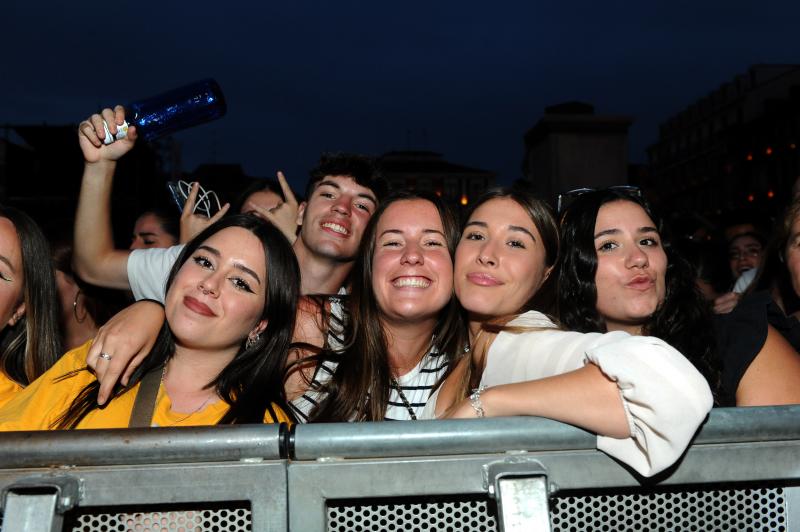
point(465, 79)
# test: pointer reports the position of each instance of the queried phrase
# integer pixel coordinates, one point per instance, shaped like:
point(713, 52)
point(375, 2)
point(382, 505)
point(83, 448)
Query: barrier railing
point(742, 471)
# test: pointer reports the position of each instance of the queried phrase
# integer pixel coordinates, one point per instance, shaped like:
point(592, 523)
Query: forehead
point(410, 214)
point(623, 213)
point(9, 241)
point(239, 244)
point(147, 220)
point(504, 212)
point(346, 183)
point(744, 241)
point(263, 197)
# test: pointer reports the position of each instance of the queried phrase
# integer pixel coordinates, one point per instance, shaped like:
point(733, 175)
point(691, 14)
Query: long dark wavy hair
point(33, 344)
point(683, 319)
point(253, 380)
point(359, 388)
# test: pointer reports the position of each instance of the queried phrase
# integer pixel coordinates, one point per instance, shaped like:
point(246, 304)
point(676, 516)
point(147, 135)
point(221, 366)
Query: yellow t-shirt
point(8, 388)
point(47, 398)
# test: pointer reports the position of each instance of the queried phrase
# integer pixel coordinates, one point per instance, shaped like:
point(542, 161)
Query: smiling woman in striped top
point(402, 324)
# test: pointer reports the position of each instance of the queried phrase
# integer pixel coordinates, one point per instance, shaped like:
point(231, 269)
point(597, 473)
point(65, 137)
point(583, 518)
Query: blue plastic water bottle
point(181, 108)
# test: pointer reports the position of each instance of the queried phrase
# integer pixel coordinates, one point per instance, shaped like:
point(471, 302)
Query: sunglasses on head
point(566, 198)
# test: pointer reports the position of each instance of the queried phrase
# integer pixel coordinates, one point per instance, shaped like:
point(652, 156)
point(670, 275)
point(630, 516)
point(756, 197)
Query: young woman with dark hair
point(220, 356)
point(521, 363)
point(678, 315)
point(618, 273)
point(30, 341)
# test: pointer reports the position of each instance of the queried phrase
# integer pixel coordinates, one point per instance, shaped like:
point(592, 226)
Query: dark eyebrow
point(510, 227)
point(213, 251)
point(237, 265)
point(8, 262)
point(614, 231)
point(476, 222)
point(247, 270)
point(523, 230)
point(400, 232)
point(144, 234)
point(335, 185)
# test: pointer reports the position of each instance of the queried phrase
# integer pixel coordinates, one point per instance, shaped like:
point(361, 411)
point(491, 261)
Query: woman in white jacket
point(642, 397)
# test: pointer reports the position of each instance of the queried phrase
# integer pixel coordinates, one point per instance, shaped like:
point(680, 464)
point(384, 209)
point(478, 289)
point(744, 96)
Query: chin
point(482, 308)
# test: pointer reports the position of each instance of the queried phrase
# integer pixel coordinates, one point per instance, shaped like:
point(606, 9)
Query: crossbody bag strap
point(145, 403)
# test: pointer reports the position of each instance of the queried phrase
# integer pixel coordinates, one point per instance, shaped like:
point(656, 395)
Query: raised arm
point(95, 258)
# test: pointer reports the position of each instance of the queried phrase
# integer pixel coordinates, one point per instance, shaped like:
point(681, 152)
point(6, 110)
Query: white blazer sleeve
point(665, 397)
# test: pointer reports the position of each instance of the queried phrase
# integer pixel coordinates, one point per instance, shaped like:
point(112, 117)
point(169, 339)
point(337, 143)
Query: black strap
point(145, 403)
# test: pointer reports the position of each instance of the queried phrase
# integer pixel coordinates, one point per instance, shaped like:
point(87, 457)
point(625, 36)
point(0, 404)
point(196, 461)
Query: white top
point(744, 281)
point(148, 271)
point(665, 397)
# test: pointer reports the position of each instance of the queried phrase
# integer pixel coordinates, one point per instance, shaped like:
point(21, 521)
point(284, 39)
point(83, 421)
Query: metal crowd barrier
point(742, 472)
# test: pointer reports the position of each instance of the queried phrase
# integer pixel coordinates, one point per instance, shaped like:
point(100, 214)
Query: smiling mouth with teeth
point(413, 282)
point(336, 228)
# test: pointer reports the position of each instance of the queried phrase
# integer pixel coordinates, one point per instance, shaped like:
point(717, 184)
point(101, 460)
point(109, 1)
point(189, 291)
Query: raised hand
point(283, 215)
point(91, 135)
point(193, 224)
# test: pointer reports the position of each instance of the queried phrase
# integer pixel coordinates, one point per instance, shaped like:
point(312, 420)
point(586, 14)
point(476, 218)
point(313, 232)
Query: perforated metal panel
point(233, 518)
point(744, 508)
point(668, 510)
point(467, 514)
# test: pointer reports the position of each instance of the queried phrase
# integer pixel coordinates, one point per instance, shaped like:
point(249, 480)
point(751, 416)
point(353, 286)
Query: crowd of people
point(357, 304)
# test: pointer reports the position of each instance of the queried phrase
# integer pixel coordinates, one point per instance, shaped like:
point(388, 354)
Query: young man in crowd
point(342, 193)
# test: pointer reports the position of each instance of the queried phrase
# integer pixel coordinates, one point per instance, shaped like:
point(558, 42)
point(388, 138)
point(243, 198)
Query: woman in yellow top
point(29, 337)
point(230, 308)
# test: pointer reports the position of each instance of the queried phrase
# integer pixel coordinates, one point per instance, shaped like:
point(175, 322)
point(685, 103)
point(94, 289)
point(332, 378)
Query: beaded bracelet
point(475, 401)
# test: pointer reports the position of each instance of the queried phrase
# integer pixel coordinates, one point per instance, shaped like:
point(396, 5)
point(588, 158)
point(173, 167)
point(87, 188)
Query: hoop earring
point(75, 308)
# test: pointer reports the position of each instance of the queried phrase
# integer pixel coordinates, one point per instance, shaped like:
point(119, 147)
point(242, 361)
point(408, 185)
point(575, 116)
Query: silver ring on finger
point(105, 356)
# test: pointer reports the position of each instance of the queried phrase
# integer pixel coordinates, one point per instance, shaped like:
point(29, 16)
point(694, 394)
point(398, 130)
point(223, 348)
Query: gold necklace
point(193, 412)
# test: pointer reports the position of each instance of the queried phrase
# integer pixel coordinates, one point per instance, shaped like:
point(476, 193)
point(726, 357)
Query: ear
point(547, 273)
point(301, 212)
point(19, 312)
point(258, 329)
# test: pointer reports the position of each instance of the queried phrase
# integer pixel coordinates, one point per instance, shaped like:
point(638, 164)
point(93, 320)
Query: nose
point(636, 258)
point(412, 254)
point(136, 243)
point(343, 205)
point(487, 254)
point(749, 259)
point(209, 286)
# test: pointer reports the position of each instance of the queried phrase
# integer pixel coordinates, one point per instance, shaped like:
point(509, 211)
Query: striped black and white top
point(417, 385)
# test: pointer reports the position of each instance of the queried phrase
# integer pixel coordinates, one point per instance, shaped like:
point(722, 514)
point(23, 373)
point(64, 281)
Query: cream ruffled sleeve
point(665, 397)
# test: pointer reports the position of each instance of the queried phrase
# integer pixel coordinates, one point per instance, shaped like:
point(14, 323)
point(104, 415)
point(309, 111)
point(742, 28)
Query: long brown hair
point(359, 388)
point(542, 217)
point(33, 343)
